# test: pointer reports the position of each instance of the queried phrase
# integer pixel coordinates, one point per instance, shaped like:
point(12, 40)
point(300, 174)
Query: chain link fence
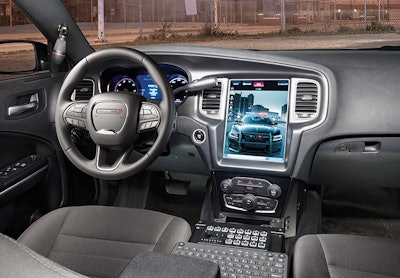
point(333, 15)
point(319, 15)
point(228, 11)
point(274, 15)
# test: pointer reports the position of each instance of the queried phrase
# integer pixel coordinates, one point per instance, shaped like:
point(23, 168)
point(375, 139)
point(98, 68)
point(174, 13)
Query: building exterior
point(14, 14)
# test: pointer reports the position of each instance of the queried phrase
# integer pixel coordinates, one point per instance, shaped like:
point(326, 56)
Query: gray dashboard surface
point(361, 92)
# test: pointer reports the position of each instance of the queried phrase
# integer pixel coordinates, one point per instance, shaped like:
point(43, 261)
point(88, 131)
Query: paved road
point(354, 41)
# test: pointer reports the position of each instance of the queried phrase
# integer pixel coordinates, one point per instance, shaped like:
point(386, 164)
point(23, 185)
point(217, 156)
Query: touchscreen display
point(256, 120)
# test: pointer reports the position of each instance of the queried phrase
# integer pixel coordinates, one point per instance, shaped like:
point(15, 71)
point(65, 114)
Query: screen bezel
point(250, 157)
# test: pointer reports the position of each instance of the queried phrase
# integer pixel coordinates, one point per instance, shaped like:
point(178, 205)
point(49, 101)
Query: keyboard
point(237, 262)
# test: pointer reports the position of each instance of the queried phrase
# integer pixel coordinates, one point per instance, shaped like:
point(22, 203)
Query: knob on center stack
point(249, 202)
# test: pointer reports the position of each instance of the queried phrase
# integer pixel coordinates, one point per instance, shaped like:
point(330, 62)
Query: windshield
point(256, 120)
point(244, 24)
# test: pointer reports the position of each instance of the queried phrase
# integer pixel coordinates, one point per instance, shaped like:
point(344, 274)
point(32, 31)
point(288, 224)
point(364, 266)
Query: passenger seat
point(346, 256)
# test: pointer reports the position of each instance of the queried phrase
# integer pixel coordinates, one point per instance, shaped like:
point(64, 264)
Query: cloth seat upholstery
point(100, 241)
point(346, 256)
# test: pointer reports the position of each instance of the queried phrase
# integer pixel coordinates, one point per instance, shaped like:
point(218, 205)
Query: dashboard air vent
point(211, 100)
point(307, 94)
point(84, 90)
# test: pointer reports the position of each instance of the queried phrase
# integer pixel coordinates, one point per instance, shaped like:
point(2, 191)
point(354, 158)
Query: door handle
point(32, 105)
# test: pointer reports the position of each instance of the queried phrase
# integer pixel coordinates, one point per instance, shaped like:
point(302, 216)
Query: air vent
point(84, 90)
point(211, 101)
point(306, 100)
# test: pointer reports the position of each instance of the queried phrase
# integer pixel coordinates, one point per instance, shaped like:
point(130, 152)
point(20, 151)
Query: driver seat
point(100, 241)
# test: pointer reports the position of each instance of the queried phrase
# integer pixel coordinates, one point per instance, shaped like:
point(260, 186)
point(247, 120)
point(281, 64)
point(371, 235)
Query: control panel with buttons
point(199, 136)
point(250, 194)
point(249, 236)
point(250, 202)
point(19, 170)
point(76, 115)
point(149, 117)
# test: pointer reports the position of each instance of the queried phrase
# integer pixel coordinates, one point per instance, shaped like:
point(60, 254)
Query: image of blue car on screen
point(256, 120)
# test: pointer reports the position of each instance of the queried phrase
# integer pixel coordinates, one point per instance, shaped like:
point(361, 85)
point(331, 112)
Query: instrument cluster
point(139, 81)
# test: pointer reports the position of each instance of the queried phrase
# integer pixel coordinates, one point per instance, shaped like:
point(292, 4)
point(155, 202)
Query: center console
point(249, 209)
point(244, 231)
point(240, 250)
point(254, 199)
point(247, 194)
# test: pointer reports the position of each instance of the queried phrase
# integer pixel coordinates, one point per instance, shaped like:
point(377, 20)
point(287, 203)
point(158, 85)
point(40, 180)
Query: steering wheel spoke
point(149, 117)
point(107, 161)
point(75, 114)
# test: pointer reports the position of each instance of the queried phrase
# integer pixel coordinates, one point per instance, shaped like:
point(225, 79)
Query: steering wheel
point(114, 120)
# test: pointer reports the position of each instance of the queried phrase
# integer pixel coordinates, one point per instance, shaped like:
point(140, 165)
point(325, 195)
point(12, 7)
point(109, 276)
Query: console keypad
point(248, 236)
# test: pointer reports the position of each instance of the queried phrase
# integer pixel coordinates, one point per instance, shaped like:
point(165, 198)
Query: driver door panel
point(29, 133)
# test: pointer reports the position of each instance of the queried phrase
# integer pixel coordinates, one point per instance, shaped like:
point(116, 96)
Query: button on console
point(199, 136)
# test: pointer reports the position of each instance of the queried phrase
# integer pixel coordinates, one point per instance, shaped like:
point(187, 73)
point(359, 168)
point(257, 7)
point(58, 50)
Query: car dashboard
point(328, 81)
point(293, 98)
point(275, 120)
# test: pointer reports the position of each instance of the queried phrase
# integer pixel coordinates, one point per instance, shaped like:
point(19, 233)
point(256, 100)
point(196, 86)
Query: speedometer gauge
point(176, 81)
point(125, 84)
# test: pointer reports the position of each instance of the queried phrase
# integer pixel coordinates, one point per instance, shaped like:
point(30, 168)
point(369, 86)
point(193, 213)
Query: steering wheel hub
point(112, 119)
point(109, 116)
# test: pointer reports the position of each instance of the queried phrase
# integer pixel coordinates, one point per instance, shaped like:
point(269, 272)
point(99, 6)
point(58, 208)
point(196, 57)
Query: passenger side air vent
point(211, 99)
point(307, 100)
point(84, 90)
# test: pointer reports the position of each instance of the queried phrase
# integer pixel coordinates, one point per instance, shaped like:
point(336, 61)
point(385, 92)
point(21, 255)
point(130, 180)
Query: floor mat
point(188, 207)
